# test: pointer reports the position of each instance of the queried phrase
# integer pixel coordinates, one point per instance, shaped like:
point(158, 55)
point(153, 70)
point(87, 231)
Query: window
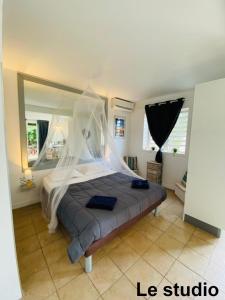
point(177, 138)
point(32, 138)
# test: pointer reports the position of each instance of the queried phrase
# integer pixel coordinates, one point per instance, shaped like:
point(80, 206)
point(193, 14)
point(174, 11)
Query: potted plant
point(174, 151)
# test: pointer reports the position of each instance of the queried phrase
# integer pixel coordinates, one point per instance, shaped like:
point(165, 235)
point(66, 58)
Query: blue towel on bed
point(140, 184)
point(102, 202)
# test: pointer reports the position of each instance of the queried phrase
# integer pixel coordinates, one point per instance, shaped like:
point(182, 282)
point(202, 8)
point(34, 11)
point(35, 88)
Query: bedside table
point(154, 172)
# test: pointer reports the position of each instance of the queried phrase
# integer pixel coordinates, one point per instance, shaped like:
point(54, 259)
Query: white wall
point(205, 195)
point(9, 279)
point(122, 144)
point(174, 166)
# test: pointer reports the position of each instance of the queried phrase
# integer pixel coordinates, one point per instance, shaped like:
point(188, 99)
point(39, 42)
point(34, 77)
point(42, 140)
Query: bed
point(90, 229)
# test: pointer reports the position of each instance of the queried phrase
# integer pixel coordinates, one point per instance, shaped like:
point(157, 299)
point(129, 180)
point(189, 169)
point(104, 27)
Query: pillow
point(92, 168)
point(76, 174)
point(60, 174)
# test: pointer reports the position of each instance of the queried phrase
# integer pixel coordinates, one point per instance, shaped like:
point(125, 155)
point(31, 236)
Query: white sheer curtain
point(88, 140)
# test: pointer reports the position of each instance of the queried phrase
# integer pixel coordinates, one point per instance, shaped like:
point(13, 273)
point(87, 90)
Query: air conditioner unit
point(122, 104)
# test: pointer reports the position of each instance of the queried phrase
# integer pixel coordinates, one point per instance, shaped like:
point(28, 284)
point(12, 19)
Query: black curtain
point(42, 133)
point(162, 118)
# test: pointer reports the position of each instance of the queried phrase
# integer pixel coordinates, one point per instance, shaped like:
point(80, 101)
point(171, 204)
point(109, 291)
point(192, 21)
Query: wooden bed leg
point(156, 212)
point(88, 264)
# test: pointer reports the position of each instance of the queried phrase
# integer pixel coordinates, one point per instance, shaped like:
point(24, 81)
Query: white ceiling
point(130, 48)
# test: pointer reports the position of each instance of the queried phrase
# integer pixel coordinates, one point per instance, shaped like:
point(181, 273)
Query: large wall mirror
point(39, 102)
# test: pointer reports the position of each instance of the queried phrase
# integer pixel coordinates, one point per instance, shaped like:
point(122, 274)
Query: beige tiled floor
point(156, 251)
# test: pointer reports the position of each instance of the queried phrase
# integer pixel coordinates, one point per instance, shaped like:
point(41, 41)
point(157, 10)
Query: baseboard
point(204, 226)
point(24, 203)
point(168, 186)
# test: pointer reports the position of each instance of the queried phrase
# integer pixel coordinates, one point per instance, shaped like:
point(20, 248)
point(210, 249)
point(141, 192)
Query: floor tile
point(39, 285)
point(53, 297)
point(31, 263)
point(149, 216)
point(112, 244)
point(158, 240)
point(179, 234)
point(54, 251)
point(22, 221)
point(194, 261)
point(141, 271)
point(220, 296)
point(80, 288)
point(161, 294)
point(159, 259)
point(40, 224)
point(160, 290)
point(24, 232)
point(47, 238)
point(64, 271)
point(215, 274)
point(205, 236)
point(164, 204)
point(184, 225)
point(175, 208)
point(27, 210)
point(218, 255)
point(27, 246)
point(180, 274)
point(142, 224)
point(139, 242)
point(160, 223)
point(122, 290)
point(170, 245)
point(149, 231)
point(168, 216)
point(221, 241)
point(36, 211)
point(125, 233)
point(200, 246)
point(104, 274)
point(124, 256)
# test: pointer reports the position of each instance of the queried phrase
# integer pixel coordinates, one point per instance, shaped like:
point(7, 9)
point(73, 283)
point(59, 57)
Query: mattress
point(85, 225)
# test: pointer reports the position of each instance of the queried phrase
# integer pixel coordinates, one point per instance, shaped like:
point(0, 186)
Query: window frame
point(184, 109)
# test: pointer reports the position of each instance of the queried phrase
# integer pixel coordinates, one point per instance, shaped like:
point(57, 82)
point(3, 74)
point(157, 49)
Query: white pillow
point(76, 174)
point(92, 168)
point(61, 174)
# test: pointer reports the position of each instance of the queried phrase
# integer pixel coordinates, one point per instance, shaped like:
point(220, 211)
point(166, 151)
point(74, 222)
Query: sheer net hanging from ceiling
point(87, 143)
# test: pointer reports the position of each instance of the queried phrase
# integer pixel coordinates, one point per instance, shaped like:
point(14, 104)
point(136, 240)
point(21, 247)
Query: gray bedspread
point(88, 225)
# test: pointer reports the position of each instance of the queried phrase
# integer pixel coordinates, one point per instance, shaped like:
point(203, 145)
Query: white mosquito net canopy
point(87, 147)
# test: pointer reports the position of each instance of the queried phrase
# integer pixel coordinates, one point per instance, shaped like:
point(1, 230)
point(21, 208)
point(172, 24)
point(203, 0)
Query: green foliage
point(32, 134)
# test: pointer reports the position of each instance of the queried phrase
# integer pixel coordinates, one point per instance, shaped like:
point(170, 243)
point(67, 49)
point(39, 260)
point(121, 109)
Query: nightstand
point(154, 172)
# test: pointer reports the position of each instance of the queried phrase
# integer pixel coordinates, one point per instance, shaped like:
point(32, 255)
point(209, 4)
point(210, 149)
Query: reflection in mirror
point(46, 106)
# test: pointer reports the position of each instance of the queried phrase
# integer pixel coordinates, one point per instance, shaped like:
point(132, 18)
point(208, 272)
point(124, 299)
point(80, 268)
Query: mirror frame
point(21, 77)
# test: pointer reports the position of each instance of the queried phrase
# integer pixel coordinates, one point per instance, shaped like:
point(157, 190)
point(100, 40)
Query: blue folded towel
point(102, 202)
point(140, 184)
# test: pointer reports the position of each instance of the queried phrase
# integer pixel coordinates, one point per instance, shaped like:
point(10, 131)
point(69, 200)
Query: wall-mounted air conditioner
point(122, 104)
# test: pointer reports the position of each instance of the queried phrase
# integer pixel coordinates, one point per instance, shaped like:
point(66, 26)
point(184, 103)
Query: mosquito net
point(87, 148)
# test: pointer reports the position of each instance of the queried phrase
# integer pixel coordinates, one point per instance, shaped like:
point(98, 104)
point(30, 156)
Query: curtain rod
point(168, 101)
